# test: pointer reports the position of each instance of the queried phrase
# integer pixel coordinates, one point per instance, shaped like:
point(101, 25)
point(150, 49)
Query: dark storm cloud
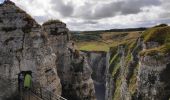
point(65, 10)
point(112, 9)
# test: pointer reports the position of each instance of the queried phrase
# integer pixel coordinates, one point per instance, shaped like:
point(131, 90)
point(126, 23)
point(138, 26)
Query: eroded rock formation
point(98, 62)
point(141, 71)
point(46, 51)
point(25, 47)
point(72, 67)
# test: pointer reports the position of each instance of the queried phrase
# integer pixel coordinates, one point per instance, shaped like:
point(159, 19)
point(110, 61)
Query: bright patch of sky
point(99, 14)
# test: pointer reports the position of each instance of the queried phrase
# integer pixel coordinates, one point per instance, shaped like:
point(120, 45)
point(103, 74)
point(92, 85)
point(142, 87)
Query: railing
point(38, 91)
point(45, 94)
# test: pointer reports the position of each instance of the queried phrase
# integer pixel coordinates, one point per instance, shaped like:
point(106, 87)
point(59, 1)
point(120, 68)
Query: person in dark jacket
point(20, 81)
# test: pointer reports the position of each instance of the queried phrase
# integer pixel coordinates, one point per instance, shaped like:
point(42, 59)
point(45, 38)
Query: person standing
point(27, 81)
point(20, 81)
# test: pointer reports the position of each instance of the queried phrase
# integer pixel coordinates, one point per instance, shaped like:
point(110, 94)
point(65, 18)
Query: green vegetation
point(52, 21)
point(113, 59)
point(117, 91)
point(162, 50)
point(93, 46)
point(160, 35)
point(133, 81)
point(103, 41)
point(161, 25)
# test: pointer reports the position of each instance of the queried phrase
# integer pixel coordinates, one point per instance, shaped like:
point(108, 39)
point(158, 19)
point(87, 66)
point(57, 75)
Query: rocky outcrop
point(77, 83)
point(46, 51)
point(141, 70)
point(153, 78)
point(98, 62)
point(74, 71)
point(24, 46)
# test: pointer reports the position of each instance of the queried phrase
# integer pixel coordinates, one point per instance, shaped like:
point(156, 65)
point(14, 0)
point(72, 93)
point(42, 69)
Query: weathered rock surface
point(139, 76)
point(98, 62)
point(24, 46)
point(74, 72)
point(153, 78)
point(44, 50)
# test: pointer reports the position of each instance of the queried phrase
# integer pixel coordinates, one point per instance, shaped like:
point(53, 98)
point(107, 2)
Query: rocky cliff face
point(46, 51)
point(140, 69)
point(153, 81)
point(98, 63)
point(24, 46)
point(72, 67)
point(77, 82)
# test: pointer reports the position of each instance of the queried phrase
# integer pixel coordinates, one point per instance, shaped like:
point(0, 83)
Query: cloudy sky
point(99, 14)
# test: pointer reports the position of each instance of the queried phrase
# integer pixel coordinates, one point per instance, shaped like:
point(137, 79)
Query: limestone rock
point(24, 46)
point(75, 75)
point(153, 78)
point(98, 62)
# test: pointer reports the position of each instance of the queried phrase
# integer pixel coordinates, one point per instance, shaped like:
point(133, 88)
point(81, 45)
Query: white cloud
point(99, 14)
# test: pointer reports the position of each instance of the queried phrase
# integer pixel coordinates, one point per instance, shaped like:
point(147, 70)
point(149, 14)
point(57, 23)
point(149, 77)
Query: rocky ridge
point(140, 68)
point(44, 50)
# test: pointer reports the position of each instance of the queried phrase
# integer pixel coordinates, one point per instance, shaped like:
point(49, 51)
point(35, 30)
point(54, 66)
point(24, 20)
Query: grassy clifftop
point(161, 35)
point(158, 35)
point(103, 41)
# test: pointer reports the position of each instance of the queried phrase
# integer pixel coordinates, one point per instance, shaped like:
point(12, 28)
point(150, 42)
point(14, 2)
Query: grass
point(116, 68)
point(114, 64)
point(117, 91)
point(105, 40)
point(113, 59)
point(93, 46)
point(161, 50)
point(112, 40)
point(129, 40)
point(160, 35)
point(133, 81)
point(157, 34)
point(52, 21)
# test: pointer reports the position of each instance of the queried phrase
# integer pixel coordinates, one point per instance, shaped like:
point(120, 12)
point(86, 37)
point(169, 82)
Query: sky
point(83, 15)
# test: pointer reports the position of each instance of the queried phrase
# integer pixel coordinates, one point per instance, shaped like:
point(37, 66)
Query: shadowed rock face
point(98, 63)
point(72, 67)
point(153, 82)
point(24, 46)
point(44, 50)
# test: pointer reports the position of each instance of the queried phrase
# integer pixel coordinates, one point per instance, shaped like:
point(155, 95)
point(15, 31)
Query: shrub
point(52, 22)
point(161, 25)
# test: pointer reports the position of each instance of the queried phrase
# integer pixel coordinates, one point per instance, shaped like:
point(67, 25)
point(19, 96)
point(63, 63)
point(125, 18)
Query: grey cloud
point(65, 10)
point(134, 6)
point(88, 16)
point(165, 15)
point(85, 22)
point(90, 22)
point(111, 9)
point(107, 10)
point(165, 6)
